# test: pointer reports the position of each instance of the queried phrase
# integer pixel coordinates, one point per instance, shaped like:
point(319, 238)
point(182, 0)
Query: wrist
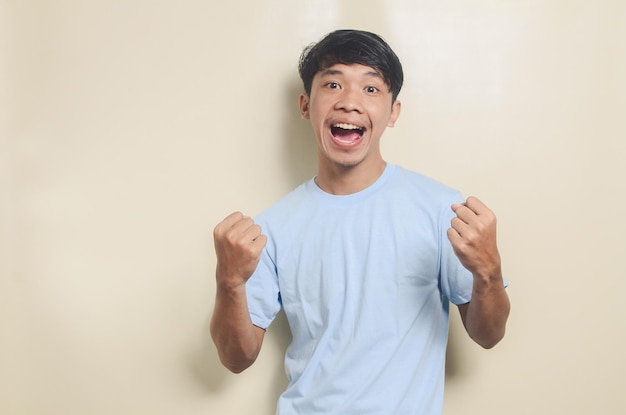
point(229, 275)
point(228, 283)
point(231, 290)
point(488, 279)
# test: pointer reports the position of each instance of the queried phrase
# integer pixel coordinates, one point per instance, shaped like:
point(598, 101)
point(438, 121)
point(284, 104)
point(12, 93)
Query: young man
point(364, 258)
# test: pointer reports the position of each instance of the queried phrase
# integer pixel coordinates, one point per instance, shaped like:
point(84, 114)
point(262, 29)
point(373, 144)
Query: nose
point(349, 101)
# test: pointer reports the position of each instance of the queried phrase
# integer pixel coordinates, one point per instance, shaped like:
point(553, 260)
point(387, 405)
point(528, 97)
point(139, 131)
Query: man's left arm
point(473, 238)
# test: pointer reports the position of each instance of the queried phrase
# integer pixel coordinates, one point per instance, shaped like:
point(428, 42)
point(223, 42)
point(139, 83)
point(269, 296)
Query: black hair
point(352, 47)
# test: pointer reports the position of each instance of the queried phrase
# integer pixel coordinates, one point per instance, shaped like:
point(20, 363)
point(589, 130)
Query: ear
point(395, 113)
point(303, 103)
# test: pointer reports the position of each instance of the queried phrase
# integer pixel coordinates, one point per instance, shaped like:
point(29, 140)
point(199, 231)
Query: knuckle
point(251, 251)
point(480, 227)
point(471, 239)
point(240, 244)
point(218, 232)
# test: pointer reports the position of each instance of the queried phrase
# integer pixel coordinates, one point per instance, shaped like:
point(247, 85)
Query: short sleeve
point(263, 293)
point(456, 281)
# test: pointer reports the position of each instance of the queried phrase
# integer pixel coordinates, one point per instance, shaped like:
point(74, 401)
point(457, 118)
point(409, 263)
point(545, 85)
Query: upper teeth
point(347, 126)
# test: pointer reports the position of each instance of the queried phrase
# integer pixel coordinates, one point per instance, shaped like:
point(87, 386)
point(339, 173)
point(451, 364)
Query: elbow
point(236, 369)
point(488, 332)
point(489, 342)
point(488, 346)
point(235, 362)
point(234, 357)
point(236, 366)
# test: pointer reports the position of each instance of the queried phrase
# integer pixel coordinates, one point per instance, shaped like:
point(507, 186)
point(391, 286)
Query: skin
point(352, 94)
point(357, 96)
point(472, 234)
point(238, 246)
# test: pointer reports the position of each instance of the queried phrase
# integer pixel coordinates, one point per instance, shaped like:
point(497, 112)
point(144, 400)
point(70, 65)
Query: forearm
point(237, 339)
point(485, 316)
point(473, 238)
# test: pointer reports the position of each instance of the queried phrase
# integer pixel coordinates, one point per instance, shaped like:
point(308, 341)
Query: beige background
point(128, 129)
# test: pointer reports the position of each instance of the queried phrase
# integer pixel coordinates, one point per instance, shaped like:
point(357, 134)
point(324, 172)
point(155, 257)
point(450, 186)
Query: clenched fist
point(473, 238)
point(238, 246)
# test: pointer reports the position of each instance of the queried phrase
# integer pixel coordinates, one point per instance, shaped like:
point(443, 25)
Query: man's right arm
point(238, 246)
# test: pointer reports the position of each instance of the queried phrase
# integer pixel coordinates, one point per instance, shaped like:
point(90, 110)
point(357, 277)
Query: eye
point(332, 85)
point(371, 89)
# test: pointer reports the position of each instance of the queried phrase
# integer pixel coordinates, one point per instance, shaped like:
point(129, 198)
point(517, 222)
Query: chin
point(347, 163)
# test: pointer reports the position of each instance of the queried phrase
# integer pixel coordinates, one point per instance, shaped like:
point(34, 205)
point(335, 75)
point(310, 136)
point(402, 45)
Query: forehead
point(354, 70)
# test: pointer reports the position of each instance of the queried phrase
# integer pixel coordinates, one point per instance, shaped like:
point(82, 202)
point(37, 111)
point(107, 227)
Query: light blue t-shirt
point(365, 281)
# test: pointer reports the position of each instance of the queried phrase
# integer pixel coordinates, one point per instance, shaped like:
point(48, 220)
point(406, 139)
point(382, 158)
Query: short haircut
point(352, 47)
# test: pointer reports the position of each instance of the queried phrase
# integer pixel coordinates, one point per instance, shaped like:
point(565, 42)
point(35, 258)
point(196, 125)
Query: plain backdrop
point(128, 129)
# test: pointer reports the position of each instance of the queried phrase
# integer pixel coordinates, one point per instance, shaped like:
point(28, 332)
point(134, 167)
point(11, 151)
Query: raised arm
point(473, 238)
point(238, 246)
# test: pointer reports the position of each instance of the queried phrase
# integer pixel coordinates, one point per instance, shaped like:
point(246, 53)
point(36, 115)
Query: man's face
point(349, 108)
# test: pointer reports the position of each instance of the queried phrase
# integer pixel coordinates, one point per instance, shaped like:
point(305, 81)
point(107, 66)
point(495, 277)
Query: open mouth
point(347, 133)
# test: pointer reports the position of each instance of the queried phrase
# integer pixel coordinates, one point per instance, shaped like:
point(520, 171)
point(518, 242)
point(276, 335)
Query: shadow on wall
point(299, 155)
point(204, 364)
point(207, 370)
point(299, 146)
point(458, 362)
point(208, 373)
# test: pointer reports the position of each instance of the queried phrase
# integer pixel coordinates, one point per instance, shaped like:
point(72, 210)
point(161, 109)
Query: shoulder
point(288, 207)
point(426, 188)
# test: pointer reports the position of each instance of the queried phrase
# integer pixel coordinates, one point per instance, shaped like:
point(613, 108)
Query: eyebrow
point(331, 71)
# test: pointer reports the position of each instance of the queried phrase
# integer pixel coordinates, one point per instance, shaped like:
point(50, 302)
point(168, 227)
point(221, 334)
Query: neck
point(342, 180)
